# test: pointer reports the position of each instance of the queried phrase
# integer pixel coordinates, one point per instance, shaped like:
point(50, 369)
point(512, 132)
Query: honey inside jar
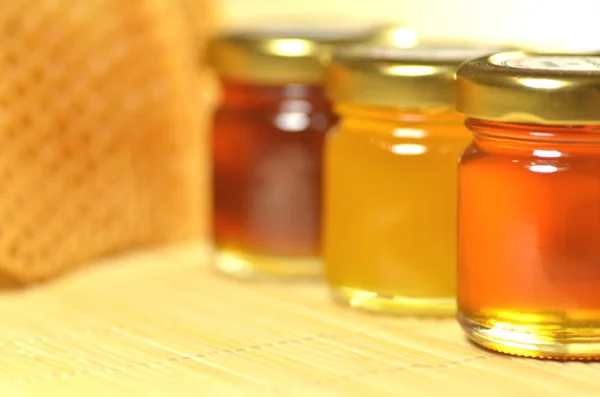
point(267, 148)
point(529, 210)
point(391, 176)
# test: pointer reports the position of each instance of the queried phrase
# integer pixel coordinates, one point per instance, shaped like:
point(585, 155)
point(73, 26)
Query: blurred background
point(545, 24)
point(106, 108)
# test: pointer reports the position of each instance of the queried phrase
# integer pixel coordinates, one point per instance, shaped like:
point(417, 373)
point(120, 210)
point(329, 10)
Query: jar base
point(246, 265)
point(563, 336)
point(394, 304)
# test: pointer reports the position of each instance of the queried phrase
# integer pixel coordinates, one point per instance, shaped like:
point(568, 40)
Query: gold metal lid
point(521, 87)
point(407, 78)
point(283, 53)
point(394, 35)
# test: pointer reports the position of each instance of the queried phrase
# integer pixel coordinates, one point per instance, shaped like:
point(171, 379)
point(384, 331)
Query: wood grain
point(161, 322)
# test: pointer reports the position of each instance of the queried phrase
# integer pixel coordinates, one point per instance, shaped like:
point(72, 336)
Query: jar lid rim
point(276, 54)
point(527, 87)
point(421, 76)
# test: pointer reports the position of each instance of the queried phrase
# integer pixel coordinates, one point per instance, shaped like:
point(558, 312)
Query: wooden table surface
point(162, 323)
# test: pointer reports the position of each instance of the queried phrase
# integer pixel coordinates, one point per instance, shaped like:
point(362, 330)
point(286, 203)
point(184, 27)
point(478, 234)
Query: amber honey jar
point(267, 146)
point(529, 208)
point(390, 178)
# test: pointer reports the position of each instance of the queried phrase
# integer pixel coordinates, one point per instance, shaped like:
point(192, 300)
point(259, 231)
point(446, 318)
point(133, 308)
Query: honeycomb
point(102, 106)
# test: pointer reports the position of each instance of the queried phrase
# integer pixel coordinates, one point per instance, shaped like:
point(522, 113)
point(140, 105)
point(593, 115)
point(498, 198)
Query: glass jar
point(267, 146)
point(390, 178)
point(529, 208)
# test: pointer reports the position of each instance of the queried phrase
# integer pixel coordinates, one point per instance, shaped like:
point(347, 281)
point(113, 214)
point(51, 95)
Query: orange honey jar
point(529, 207)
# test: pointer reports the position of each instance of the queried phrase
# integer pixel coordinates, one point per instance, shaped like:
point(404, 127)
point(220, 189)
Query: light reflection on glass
point(294, 115)
point(547, 153)
point(543, 168)
point(542, 134)
point(292, 121)
point(510, 337)
point(409, 133)
point(408, 149)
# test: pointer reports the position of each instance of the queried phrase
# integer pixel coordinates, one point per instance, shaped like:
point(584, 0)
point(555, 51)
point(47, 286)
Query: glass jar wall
point(267, 148)
point(390, 178)
point(529, 212)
